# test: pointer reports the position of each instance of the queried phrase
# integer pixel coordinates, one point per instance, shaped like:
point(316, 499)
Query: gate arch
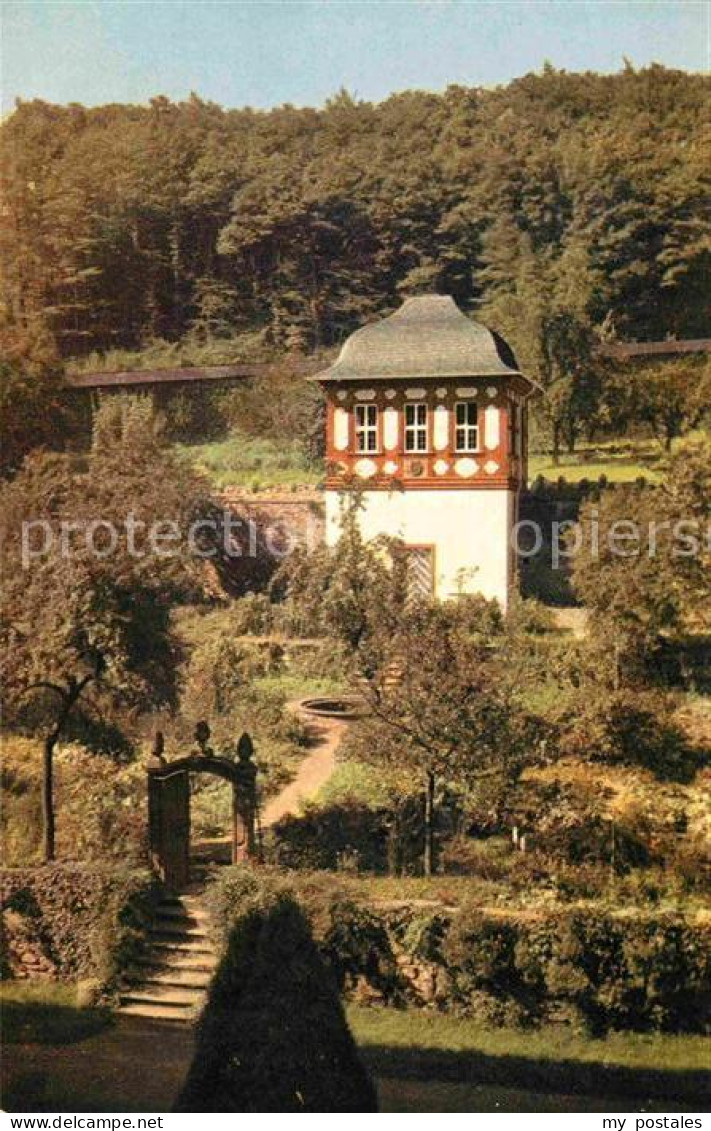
point(169, 804)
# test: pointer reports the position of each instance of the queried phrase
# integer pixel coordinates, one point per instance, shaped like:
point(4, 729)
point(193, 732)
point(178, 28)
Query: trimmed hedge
point(273, 1035)
point(88, 921)
point(594, 969)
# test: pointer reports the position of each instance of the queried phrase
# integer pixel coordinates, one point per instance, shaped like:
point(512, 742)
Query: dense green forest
point(561, 208)
point(589, 191)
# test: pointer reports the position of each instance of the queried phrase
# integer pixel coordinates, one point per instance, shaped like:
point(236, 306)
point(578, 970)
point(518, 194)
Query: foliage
point(596, 968)
point(87, 614)
point(345, 592)
point(32, 411)
point(221, 684)
point(273, 1035)
point(78, 601)
point(558, 205)
point(644, 570)
point(443, 711)
point(102, 801)
point(333, 836)
point(88, 920)
point(303, 220)
point(672, 396)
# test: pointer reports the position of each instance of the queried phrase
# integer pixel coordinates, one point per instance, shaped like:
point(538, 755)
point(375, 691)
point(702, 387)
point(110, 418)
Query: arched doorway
point(169, 805)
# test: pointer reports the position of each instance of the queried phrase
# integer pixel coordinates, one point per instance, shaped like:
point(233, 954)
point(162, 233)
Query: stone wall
point(265, 527)
point(72, 921)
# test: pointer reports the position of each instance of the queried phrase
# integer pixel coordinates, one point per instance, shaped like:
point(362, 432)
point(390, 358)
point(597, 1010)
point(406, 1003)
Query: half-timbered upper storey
point(426, 398)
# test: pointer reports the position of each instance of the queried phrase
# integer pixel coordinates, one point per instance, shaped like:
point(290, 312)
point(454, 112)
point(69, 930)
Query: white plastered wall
point(470, 531)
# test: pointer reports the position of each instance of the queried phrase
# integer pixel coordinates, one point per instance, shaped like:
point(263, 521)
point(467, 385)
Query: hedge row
point(592, 969)
point(88, 921)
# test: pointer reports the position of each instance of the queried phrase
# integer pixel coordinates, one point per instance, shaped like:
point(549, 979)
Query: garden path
point(313, 772)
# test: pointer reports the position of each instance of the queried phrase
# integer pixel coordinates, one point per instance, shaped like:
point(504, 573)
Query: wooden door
point(169, 823)
point(420, 571)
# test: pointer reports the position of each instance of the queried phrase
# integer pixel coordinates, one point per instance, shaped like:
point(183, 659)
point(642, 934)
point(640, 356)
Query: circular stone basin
point(333, 707)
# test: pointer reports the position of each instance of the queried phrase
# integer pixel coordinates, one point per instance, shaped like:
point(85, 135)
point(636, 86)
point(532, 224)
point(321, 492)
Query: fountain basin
point(334, 707)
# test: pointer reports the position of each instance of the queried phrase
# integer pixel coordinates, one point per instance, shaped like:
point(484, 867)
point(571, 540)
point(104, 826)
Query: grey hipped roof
point(428, 336)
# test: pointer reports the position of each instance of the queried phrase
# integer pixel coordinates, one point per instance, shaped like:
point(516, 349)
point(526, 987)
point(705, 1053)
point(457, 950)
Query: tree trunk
point(48, 795)
point(556, 445)
point(428, 861)
point(69, 699)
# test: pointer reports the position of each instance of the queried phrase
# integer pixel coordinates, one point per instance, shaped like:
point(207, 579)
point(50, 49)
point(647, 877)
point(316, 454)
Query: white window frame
point(472, 432)
point(416, 428)
point(366, 428)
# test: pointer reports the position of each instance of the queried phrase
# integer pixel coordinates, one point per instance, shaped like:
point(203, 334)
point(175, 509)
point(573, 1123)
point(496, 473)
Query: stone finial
point(202, 737)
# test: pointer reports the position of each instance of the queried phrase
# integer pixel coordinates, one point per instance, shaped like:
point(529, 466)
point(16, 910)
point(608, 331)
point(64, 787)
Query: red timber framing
point(497, 466)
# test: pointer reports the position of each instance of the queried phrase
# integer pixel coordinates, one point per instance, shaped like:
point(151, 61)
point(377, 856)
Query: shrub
point(323, 836)
point(356, 946)
point(593, 969)
point(89, 922)
point(251, 615)
point(102, 805)
point(273, 1036)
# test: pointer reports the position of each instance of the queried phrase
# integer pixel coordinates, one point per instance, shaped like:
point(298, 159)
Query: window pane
point(466, 438)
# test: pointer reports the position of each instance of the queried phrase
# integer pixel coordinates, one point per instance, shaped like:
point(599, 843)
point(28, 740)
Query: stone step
point(163, 995)
point(172, 912)
point(169, 981)
point(159, 1012)
point(177, 960)
point(163, 932)
point(172, 925)
point(168, 947)
point(166, 975)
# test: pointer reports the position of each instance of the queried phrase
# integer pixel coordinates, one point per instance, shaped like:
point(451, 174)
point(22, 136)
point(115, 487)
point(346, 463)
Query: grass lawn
point(443, 1063)
point(298, 685)
point(246, 461)
point(46, 1013)
point(422, 1062)
point(621, 461)
point(616, 471)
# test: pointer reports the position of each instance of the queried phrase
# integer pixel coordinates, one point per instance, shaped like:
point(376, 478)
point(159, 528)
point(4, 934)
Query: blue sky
point(264, 53)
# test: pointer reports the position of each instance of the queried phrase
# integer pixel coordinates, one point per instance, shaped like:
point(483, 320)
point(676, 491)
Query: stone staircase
point(170, 979)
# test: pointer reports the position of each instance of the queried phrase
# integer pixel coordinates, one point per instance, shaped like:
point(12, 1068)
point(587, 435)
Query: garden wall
point(592, 968)
point(280, 521)
point(70, 922)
